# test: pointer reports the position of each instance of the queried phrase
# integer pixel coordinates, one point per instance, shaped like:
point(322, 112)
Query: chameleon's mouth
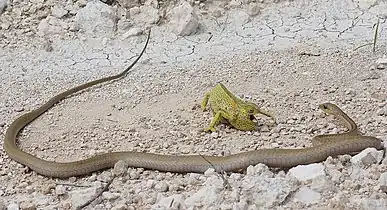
point(252, 118)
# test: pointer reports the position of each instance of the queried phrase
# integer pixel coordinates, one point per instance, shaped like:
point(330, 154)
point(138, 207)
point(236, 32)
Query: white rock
point(307, 196)
point(307, 172)
point(128, 3)
point(28, 205)
point(374, 204)
point(3, 5)
point(132, 32)
point(2, 205)
point(13, 206)
point(382, 60)
point(58, 11)
point(183, 20)
point(253, 9)
point(383, 182)
point(51, 25)
point(60, 190)
point(259, 169)
point(134, 11)
point(207, 195)
point(80, 196)
point(322, 184)
point(172, 202)
point(96, 18)
point(110, 196)
point(120, 206)
point(367, 157)
point(120, 168)
point(161, 186)
point(210, 172)
point(235, 3)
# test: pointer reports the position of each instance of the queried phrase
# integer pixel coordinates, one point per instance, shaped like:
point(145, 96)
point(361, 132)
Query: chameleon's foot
point(212, 129)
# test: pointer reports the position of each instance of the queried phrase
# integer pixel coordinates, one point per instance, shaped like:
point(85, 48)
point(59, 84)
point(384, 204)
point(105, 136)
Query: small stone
point(132, 32)
point(161, 186)
point(377, 204)
point(3, 5)
point(13, 206)
point(307, 196)
point(383, 182)
point(19, 109)
point(253, 9)
point(119, 206)
point(58, 11)
point(60, 190)
point(367, 157)
point(78, 197)
point(214, 135)
point(134, 11)
point(110, 196)
point(209, 172)
point(308, 172)
point(2, 205)
point(150, 184)
point(120, 168)
point(172, 202)
point(28, 205)
point(264, 128)
point(183, 19)
point(382, 60)
point(46, 189)
point(96, 18)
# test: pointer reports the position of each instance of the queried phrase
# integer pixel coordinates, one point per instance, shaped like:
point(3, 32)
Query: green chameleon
point(225, 105)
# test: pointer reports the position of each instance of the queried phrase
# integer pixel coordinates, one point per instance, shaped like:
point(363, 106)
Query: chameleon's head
point(250, 110)
point(330, 108)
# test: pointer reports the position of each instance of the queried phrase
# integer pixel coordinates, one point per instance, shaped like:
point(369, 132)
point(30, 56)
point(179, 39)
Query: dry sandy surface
point(286, 56)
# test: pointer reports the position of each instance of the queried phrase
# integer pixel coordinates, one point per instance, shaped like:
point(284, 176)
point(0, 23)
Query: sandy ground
point(288, 59)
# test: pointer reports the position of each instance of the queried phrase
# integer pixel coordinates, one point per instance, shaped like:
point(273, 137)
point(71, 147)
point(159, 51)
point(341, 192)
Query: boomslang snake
point(282, 158)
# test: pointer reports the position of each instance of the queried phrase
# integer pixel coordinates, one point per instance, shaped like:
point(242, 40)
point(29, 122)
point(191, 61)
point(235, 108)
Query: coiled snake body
point(323, 147)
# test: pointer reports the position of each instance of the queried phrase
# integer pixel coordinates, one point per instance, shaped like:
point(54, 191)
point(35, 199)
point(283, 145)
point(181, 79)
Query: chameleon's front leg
point(205, 101)
point(217, 119)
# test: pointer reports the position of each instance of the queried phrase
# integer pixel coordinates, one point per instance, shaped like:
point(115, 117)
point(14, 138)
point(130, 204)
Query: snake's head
point(330, 108)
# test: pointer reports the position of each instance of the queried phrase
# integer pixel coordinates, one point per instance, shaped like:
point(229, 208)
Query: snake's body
point(282, 158)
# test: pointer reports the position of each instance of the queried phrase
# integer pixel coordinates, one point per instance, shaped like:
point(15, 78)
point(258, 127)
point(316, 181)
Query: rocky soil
point(286, 56)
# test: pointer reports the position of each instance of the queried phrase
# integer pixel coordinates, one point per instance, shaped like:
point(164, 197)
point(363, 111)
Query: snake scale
point(282, 158)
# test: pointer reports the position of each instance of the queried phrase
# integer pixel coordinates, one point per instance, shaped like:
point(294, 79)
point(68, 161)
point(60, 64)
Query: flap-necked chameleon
point(226, 106)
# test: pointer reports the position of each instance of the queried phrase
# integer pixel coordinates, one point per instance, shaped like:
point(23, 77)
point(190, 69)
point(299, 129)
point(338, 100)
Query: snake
point(272, 157)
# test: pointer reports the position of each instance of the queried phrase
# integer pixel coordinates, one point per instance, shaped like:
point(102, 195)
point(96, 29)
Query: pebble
point(2, 205)
point(13, 206)
point(96, 18)
point(58, 11)
point(307, 172)
point(60, 190)
point(307, 196)
point(110, 196)
point(183, 19)
point(253, 9)
point(210, 172)
point(161, 186)
point(367, 157)
point(79, 196)
point(132, 32)
point(3, 5)
point(28, 205)
point(383, 181)
point(119, 206)
point(120, 168)
point(172, 202)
